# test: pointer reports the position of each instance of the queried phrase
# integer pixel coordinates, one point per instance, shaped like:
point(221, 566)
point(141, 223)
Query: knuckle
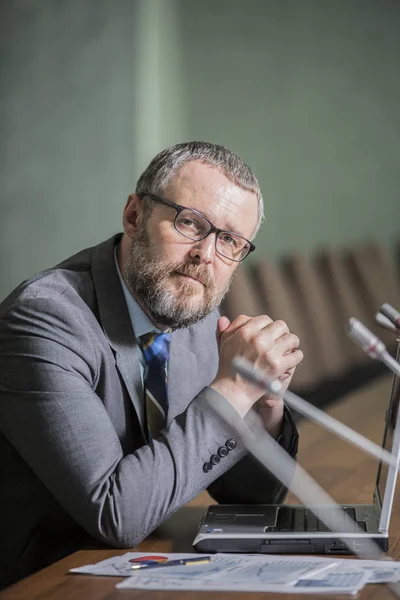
point(274, 365)
point(239, 322)
point(294, 340)
point(281, 324)
point(246, 336)
point(242, 318)
point(267, 318)
point(258, 344)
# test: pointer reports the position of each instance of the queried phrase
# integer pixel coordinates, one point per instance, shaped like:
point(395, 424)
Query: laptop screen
point(388, 436)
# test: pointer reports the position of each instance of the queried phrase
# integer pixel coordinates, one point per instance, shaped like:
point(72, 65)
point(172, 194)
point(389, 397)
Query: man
point(94, 442)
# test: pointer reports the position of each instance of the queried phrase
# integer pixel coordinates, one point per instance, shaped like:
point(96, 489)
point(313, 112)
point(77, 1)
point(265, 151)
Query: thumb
point(222, 324)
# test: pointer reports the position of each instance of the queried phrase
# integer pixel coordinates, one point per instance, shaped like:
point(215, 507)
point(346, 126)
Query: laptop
point(295, 529)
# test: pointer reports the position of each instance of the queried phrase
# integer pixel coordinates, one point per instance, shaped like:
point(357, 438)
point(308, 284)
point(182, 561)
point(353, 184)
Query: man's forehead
point(207, 189)
point(206, 181)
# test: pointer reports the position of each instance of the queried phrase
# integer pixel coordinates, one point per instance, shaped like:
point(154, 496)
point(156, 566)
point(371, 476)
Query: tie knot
point(155, 348)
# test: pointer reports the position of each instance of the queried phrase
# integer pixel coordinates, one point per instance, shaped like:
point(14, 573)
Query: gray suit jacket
point(74, 463)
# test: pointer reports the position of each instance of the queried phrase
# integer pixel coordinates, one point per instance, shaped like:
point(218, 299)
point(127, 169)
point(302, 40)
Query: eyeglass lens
point(194, 227)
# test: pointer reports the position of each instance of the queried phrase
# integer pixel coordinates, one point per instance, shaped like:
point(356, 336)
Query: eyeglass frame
point(179, 208)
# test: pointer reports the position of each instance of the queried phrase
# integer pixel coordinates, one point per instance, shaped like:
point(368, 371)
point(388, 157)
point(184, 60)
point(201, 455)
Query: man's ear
point(133, 215)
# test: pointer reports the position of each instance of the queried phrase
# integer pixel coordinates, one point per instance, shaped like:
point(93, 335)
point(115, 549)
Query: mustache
point(200, 272)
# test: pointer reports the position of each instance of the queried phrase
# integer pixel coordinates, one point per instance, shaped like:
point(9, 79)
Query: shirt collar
point(141, 323)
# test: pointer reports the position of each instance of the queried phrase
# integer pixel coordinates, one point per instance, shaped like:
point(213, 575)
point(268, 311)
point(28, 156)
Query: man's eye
point(186, 222)
point(228, 240)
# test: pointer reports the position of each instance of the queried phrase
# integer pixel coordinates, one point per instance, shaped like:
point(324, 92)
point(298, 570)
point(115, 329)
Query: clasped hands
point(268, 345)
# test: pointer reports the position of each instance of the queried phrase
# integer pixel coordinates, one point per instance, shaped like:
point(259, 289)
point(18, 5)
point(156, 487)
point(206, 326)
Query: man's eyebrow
point(233, 230)
point(229, 226)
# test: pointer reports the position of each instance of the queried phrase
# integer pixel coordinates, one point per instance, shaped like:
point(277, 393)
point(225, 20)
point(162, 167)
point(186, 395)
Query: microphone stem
point(391, 363)
point(338, 428)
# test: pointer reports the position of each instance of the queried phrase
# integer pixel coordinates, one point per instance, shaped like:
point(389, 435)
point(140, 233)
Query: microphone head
point(392, 314)
point(251, 373)
point(371, 344)
point(385, 322)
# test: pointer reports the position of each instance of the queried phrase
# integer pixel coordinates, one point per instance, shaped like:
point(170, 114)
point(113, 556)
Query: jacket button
point(231, 444)
point(223, 451)
point(207, 467)
point(215, 459)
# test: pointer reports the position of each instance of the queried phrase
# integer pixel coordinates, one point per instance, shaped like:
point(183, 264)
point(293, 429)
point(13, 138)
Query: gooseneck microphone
point(371, 344)
point(385, 322)
point(251, 373)
point(392, 314)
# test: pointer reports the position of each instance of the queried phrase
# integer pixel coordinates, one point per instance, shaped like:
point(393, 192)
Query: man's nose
point(203, 251)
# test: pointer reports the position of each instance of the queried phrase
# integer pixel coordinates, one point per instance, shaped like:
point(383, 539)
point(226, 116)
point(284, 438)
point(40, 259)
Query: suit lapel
point(193, 363)
point(116, 322)
point(193, 354)
point(182, 380)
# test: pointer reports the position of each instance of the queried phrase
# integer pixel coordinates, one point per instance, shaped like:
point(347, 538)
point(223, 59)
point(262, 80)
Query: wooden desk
point(348, 475)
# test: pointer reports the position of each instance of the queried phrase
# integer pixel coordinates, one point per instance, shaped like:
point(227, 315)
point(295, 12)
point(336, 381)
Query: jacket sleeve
point(249, 482)
point(53, 417)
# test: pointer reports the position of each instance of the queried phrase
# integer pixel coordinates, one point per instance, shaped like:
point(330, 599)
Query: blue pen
point(173, 563)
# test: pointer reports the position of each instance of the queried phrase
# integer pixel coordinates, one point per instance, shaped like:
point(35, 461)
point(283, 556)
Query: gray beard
point(147, 278)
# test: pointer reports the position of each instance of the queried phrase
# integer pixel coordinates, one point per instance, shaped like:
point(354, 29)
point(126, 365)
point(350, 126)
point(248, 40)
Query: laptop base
point(290, 529)
point(288, 546)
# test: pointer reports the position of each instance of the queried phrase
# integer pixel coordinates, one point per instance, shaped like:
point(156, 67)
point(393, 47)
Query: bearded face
point(174, 294)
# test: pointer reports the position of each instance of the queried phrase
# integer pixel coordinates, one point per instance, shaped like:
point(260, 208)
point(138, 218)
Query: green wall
point(307, 91)
point(67, 142)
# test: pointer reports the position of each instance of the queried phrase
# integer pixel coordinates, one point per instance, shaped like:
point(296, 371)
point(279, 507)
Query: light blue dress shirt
point(141, 323)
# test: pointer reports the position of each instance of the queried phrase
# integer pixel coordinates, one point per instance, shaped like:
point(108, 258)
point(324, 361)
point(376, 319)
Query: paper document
point(245, 572)
point(340, 581)
point(259, 569)
point(347, 582)
point(378, 571)
point(121, 566)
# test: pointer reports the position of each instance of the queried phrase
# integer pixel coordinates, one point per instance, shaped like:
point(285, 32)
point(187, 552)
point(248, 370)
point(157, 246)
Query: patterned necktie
point(155, 348)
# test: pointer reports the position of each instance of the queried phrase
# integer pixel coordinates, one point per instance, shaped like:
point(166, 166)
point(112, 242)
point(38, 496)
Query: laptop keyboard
point(301, 519)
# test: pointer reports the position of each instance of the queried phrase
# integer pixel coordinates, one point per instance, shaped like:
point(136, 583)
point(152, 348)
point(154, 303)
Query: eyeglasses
point(195, 226)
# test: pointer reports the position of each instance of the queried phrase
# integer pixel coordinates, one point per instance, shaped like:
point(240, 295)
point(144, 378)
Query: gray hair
point(158, 174)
